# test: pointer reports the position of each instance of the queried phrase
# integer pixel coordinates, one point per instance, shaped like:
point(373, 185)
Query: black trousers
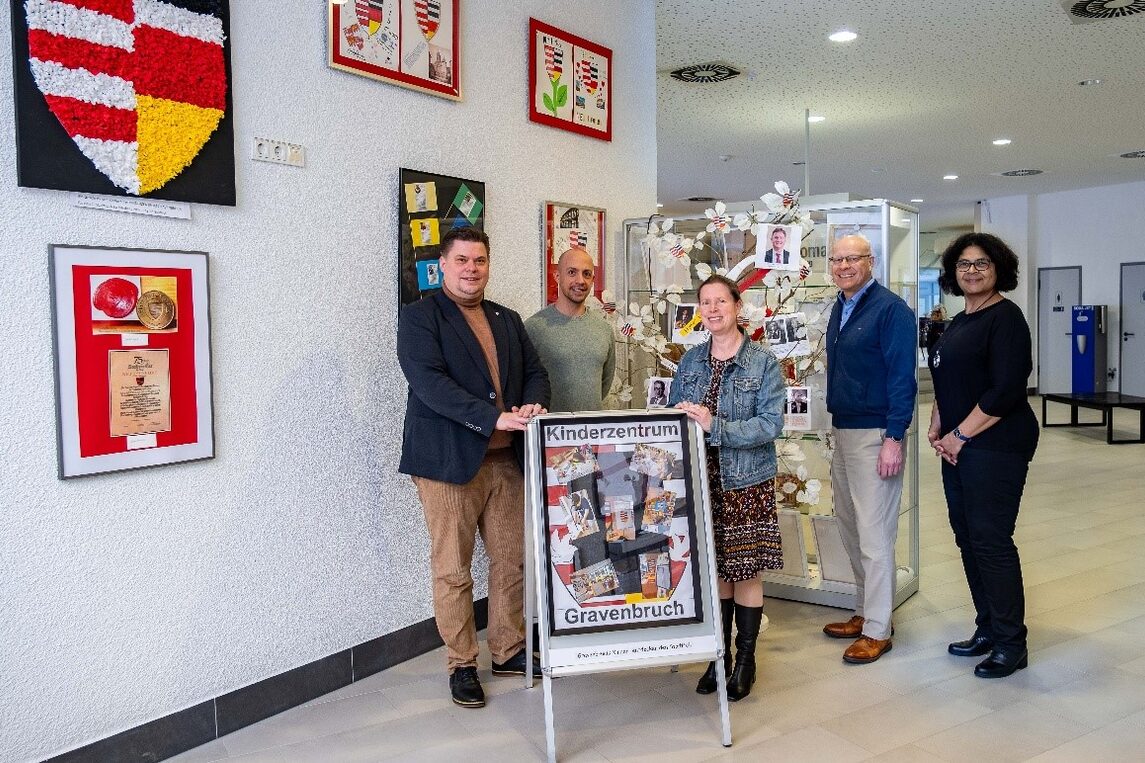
point(982, 494)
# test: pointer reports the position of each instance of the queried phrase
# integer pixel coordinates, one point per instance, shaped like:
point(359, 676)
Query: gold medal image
point(155, 309)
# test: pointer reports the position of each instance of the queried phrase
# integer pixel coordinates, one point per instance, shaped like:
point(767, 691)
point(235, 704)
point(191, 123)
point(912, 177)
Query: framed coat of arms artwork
point(412, 43)
point(572, 226)
point(570, 82)
point(125, 98)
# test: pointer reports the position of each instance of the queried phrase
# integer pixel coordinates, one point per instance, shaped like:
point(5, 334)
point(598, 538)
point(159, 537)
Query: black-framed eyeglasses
point(850, 259)
point(980, 265)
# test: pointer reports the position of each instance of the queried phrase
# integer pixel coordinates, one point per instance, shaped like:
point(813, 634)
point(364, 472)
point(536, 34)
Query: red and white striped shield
point(554, 61)
point(589, 75)
point(369, 13)
point(578, 239)
point(428, 14)
point(139, 85)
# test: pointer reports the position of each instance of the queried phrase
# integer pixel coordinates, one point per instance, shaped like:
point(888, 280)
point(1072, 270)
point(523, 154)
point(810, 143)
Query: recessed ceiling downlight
point(1107, 9)
point(1133, 155)
point(1088, 82)
point(705, 74)
point(1002, 142)
point(843, 35)
point(949, 177)
point(916, 201)
point(1021, 173)
point(816, 118)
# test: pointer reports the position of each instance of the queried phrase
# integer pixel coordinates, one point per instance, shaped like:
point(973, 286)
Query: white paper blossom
point(720, 221)
point(753, 221)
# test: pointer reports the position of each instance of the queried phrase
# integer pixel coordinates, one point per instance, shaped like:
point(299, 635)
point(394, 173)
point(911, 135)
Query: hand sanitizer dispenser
point(1089, 347)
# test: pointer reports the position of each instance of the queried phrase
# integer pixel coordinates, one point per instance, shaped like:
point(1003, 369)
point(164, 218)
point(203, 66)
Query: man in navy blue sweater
point(871, 387)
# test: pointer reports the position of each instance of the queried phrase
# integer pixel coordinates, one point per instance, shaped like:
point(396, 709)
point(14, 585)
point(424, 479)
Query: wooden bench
point(1098, 401)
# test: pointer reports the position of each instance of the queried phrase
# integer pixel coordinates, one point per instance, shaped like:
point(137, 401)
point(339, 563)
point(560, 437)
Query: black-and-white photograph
point(797, 409)
point(657, 392)
point(787, 335)
point(778, 248)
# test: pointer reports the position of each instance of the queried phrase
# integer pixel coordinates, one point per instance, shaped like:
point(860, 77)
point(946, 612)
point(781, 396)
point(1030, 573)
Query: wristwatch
point(895, 439)
point(958, 433)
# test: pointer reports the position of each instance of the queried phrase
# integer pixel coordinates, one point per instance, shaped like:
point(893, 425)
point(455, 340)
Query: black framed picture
point(428, 206)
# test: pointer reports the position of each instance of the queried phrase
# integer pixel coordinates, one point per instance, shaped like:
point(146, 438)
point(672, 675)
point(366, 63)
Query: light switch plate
point(278, 152)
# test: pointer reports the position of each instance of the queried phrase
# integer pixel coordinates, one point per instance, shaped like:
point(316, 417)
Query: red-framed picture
point(572, 226)
point(132, 357)
point(412, 43)
point(570, 82)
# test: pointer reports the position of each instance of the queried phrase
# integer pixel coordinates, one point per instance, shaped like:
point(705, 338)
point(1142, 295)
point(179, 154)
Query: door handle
point(1127, 334)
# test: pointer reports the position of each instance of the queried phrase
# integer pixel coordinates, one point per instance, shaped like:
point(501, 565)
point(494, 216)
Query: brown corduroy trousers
point(492, 503)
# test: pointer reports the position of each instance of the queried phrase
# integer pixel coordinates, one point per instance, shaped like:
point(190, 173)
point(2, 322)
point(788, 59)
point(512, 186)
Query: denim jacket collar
point(737, 359)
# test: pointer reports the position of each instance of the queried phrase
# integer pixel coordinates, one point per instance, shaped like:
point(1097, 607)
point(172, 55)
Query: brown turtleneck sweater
point(479, 324)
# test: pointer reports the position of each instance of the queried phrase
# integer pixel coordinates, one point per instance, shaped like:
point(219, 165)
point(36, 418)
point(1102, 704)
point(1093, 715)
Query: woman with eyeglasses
point(985, 431)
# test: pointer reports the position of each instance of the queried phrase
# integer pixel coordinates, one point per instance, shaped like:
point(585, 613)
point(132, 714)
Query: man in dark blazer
point(777, 254)
point(475, 380)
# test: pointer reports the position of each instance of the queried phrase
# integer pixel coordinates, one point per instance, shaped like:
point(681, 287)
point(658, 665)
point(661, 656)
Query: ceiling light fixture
point(916, 201)
point(1021, 173)
point(1003, 142)
point(842, 35)
point(815, 119)
point(1133, 155)
point(949, 177)
point(1088, 82)
point(658, 205)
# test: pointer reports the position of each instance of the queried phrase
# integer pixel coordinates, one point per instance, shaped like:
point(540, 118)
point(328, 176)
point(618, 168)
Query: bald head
point(851, 263)
point(575, 273)
point(578, 257)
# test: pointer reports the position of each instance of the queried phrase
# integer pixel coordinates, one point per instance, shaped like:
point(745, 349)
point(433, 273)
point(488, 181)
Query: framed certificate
point(132, 357)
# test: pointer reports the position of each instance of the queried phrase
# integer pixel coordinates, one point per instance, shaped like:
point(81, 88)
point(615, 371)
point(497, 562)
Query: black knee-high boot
point(707, 683)
point(748, 620)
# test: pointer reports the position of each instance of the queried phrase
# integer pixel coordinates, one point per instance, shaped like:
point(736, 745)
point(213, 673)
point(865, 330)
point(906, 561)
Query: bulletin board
point(428, 206)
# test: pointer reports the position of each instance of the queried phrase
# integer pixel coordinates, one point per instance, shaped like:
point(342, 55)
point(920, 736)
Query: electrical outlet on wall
point(278, 152)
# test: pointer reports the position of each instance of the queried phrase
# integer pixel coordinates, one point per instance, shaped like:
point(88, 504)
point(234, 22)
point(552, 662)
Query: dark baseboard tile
point(412, 641)
point(271, 696)
point(157, 740)
point(168, 736)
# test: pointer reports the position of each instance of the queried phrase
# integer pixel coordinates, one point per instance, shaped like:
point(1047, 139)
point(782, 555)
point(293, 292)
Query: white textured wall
point(1096, 228)
point(126, 597)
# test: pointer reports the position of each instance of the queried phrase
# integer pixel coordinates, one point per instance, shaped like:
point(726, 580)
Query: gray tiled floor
point(1081, 534)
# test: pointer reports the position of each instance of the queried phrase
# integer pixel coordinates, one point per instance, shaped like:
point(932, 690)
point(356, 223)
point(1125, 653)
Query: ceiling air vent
point(1020, 173)
point(707, 74)
point(1133, 155)
point(1094, 10)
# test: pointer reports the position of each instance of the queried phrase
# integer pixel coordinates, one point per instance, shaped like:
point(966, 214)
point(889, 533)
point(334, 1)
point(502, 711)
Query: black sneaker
point(515, 666)
point(466, 688)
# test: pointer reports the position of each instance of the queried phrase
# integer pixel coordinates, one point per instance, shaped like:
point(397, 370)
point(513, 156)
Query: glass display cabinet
point(788, 309)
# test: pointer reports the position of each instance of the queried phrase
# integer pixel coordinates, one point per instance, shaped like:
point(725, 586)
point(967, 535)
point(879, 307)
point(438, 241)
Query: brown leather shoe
point(853, 628)
point(866, 649)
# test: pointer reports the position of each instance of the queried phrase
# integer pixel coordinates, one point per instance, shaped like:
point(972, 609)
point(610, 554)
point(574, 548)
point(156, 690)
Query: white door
point(1133, 329)
point(1059, 289)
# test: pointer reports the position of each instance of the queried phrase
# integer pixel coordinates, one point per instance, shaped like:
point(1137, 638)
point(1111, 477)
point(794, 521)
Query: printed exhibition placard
point(620, 507)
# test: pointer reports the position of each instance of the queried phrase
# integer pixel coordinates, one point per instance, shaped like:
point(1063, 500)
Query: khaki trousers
point(867, 508)
point(492, 503)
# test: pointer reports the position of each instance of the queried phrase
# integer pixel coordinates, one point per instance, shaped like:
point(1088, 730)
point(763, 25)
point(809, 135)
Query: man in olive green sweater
point(576, 346)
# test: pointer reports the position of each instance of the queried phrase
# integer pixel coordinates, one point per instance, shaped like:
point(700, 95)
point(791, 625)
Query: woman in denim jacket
point(732, 387)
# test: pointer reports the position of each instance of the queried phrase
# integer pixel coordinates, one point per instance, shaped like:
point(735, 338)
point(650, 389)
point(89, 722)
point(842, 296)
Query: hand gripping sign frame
point(619, 556)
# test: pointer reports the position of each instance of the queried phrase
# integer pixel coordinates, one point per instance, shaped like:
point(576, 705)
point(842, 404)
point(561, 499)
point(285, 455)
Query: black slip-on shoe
point(972, 647)
point(466, 688)
point(515, 666)
point(1000, 664)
